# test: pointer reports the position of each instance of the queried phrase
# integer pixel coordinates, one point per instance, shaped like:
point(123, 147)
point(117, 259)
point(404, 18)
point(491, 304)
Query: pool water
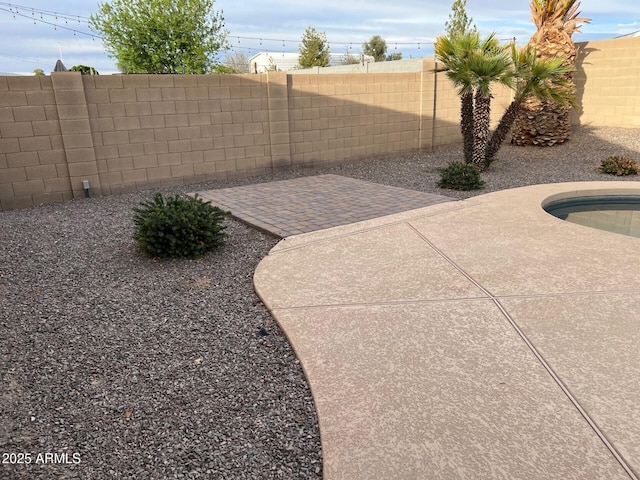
point(613, 213)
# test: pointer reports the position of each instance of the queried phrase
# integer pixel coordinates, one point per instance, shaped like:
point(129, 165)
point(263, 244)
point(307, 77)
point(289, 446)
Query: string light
point(263, 42)
point(54, 18)
point(15, 11)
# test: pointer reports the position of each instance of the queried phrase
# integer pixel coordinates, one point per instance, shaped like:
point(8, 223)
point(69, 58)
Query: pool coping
point(524, 377)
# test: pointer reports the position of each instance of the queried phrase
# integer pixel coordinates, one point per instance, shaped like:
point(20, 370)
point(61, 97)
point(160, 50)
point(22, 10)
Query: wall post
point(73, 115)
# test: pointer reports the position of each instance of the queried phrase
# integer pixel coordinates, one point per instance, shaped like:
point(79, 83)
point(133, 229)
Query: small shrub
point(178, 226)
point(460, 176)
point(619, 165)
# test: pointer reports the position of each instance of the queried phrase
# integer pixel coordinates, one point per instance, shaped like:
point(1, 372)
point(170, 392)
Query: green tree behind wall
point(314, 51)
point(161, 36)
point(376, 47)
point(394, 56)
point(459, 23)
point(84, 70)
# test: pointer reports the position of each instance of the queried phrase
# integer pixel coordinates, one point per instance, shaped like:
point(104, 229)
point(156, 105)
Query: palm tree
point(547, 123)
point(474, 66)
point(535, 78)
point(455, 54)
point(486, 68)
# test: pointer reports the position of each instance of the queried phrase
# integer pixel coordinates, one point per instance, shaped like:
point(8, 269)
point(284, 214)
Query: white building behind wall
point(286, 61)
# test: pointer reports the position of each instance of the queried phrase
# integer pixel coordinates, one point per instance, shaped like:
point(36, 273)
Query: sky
point(34, 33)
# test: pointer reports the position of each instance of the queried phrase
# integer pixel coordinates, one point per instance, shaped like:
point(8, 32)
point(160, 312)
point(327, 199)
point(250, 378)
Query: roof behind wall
point(287, 61)
point(632, 34)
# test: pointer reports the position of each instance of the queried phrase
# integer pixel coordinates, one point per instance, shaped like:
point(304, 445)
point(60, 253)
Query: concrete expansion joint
point(458, 205)
point(632, 291)
point(536, 353)
point(320, 306)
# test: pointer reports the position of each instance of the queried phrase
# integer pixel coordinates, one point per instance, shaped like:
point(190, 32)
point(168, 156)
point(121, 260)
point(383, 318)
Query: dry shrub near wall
point(619, 165)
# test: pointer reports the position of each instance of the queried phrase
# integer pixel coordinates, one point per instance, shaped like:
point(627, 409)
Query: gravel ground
point(137, 368)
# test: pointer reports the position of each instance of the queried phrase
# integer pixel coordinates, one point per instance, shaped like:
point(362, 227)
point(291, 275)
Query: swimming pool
point(613, 213)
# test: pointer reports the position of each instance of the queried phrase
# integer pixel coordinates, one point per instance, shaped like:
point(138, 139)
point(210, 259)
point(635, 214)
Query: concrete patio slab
point(592, 342)
point(491, 363)
point(545, 254)
point(308, 204)
point(386, 264)
point(428, 391)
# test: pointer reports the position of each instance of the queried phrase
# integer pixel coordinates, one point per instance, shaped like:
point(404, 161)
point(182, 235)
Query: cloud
point(629, 25)
point(345, 22)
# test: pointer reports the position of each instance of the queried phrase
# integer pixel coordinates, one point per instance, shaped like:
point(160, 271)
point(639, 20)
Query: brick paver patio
point(307, 204)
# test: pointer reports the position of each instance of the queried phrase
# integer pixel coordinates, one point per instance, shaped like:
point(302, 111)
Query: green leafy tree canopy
point(314, 51)
point(394, 56)
point(84, 70)
point(459, 23)
point(38, 72)
point(161, 36)
point(376, 47)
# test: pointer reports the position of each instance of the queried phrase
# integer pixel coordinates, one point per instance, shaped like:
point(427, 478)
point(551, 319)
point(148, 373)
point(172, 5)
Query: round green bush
point(178, 226)
point(460, 176)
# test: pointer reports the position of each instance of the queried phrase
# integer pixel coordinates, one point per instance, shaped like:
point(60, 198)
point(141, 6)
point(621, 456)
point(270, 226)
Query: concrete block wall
point(128, 132)
point(606, 77)
point(334, 118)
point(33, 164)
point(151, 131)
point(124, 133)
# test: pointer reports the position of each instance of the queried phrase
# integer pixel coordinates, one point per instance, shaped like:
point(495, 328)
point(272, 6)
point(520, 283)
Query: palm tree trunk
point(466, 125)
point(482, 122)
point(543, 123)
point(501, 131)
